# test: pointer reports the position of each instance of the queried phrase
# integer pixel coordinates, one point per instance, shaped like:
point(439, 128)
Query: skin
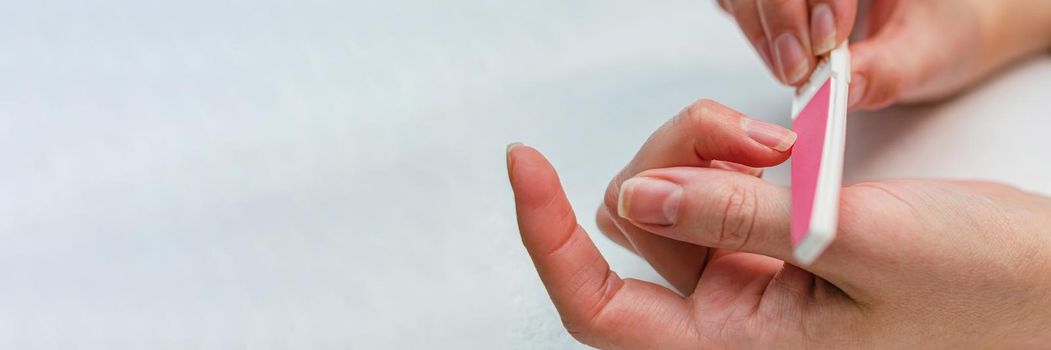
point(916, 263)
point(902, 51)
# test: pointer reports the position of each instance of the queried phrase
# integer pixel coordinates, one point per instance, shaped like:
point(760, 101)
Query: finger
point(786, 24)
point(703, 132)
point(879, 71)
point(707, 131)
point(717, 209)
point(746, 13)
point(604, 218)
point(597, 307)
point(894, 58)
point(830, 23)
point(725, 5)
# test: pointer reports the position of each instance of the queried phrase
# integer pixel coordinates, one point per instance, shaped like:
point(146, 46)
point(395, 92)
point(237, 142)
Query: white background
point(323, 175)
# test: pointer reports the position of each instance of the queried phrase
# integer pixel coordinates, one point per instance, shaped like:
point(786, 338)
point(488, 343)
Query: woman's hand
point(917, 264)
point(908, 50)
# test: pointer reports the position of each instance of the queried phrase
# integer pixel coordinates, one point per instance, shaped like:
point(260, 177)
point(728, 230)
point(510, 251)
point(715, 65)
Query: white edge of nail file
point(825, 210)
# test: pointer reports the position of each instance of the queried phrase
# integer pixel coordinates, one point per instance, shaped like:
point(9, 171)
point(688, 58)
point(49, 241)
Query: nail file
point(819, 112)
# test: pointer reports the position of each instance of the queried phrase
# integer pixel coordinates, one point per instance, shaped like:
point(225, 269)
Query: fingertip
point(624, 198)
point(718, 132)
point(507, 156)
point(532, 177)
point(512, 146)
point(877, 74)
point(776, 137)
point(823, 31)
point(856, 92)
point(831, 22)
point(846, 12)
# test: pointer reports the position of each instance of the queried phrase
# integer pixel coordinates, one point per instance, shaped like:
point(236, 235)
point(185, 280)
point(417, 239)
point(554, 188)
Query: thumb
point(878, 71)
point(710, 207)
point(904, 60)
point(718, 209)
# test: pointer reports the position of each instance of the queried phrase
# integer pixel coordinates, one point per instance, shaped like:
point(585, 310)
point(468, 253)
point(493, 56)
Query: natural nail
point(822, 29)
point(791, 60)
point(507, 153)
point(512, 145)
point(857, 90)
point(648, 200)
point(770, 135)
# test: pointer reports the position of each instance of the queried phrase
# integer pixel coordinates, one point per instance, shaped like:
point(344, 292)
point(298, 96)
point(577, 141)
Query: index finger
point(831, 22)
point(597, 307)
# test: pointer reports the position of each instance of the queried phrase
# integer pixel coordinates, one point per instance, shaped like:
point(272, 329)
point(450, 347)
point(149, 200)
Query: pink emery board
point(819, 113)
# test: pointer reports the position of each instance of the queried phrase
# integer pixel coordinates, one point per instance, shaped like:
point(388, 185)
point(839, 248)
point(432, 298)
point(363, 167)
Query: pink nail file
point(819, 113)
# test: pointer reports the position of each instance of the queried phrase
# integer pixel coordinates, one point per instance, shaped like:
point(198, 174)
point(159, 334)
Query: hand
point(908, 51)
point(917, 264)
point(789, 34)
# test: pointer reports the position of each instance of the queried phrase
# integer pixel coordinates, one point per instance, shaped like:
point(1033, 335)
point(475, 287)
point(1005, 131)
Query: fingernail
point(791, 61)
point(770, 135)
point(507, 153)
point(512, 145)
point(648, 200)
point(857, 90)
point(822, 29)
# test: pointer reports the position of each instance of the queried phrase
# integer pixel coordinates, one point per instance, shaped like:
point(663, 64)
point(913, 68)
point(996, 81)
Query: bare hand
point(917, 263)
point(914, 50)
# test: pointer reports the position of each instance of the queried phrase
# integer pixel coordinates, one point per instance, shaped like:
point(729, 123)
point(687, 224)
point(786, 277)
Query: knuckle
point(702, 114)
point(699, 110)
point(740, 206)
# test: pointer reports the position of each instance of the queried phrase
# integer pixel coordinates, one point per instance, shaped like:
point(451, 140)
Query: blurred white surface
point(330, 174)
